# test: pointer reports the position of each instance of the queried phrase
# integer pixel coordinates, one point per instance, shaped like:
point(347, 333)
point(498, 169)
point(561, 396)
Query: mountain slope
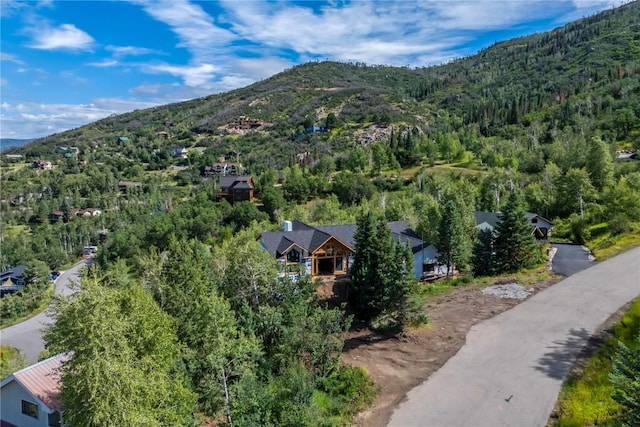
point(591, 67)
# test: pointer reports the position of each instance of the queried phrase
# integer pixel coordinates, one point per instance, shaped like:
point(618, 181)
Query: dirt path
point(398, 364)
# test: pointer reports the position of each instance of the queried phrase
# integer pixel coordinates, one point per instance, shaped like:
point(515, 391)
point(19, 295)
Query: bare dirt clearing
point(399, 363)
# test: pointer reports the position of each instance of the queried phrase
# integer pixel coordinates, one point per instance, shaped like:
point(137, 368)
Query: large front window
point(293, 256)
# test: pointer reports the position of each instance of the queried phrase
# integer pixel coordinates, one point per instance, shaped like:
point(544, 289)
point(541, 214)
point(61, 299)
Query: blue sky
point(68, 63)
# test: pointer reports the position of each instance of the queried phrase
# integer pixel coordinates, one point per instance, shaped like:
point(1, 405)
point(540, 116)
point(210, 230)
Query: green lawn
point(585, 399)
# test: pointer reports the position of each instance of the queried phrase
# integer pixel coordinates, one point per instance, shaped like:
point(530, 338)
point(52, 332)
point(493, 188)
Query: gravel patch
point(509, 291)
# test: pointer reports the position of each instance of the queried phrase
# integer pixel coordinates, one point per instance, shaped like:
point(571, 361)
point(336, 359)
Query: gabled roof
point(229, 181)
point(311, 238)
point(42, 381)
point(530, 215)
point(14, 272)
point(492, 218)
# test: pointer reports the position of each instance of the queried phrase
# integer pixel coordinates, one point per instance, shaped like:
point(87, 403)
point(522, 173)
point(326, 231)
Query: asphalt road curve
point(27, 336)
point(511, 368)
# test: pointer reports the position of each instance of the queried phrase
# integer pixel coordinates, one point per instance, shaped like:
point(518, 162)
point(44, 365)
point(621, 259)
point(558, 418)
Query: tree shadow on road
point(558, 361)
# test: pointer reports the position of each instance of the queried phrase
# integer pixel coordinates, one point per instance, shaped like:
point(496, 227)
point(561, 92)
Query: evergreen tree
point(483, 258)
point(362, 273)
point(453, 242)
point(515, 247)
point(382, 275)
point(625, 378)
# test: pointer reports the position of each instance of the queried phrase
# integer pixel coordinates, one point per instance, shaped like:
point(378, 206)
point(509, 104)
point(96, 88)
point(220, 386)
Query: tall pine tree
point(515, 246)
point(483, 258)
point(382, 275)
point(454, 245)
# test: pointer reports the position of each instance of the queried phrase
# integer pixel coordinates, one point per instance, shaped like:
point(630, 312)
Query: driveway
point(511, 368)
point(570, 259)
point(27, 336)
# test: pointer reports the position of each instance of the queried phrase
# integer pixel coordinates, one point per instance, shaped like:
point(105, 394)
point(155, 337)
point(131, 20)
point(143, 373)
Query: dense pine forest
point(548, 123)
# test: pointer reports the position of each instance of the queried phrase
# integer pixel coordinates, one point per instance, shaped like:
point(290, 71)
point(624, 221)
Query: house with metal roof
point(330, 249)
point(30, 397)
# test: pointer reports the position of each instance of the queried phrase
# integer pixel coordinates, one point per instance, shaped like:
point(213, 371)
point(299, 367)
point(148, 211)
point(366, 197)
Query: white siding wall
point(11, 407)
point(427, 255)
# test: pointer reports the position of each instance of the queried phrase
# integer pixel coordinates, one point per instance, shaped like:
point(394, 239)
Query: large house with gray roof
point(330, 249)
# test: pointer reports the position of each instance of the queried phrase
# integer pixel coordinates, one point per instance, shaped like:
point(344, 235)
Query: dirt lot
point(399, 363)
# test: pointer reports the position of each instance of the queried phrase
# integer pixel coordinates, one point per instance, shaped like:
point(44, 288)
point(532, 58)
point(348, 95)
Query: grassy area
point(11, 360)
point(585, 399)
point(523, 278)
point(607, 245)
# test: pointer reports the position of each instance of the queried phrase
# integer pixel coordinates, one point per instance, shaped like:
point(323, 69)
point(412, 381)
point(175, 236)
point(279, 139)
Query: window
point(30, 409)
point(293, 256)
point(534, 220)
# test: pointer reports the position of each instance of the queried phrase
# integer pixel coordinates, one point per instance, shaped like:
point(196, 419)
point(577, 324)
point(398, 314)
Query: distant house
point(330, 249)
point(12, 280)
point(215, 169)
point(125, 186)
point(540, 227)
point(31, 396)
point(42, 165)
point(89, 212)
point(222, 169)
point(316, 128)
point(55, 216)
point(180, 153)
point(163, 134)
point(68, 152)
point(236, 188)
point(123, 139)
point(13, 157)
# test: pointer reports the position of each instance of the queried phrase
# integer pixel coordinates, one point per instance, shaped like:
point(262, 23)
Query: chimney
point(288, 226)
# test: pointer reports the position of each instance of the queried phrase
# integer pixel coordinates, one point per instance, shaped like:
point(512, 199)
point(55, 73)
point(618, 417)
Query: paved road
point(27, 336)
point(512, 366)
point(571, 259)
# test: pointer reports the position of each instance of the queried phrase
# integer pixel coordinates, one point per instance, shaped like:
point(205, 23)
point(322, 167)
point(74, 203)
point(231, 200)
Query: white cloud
point(11, 7)
point(193, 75)
point(32, 119)
point(120, 51)
point(260, 68)
point(193, 26)
point(104, 63)
point(10, 58)
point(65, 36)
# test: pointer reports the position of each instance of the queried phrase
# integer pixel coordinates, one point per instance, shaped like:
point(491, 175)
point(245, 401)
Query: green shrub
point(350, 386)
point(619, 224)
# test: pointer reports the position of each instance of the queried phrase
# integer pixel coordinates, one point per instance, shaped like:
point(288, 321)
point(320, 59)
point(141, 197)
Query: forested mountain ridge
point(581, 71)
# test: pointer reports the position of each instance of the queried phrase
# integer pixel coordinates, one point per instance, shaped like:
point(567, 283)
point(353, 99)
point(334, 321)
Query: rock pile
point(510, 291)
